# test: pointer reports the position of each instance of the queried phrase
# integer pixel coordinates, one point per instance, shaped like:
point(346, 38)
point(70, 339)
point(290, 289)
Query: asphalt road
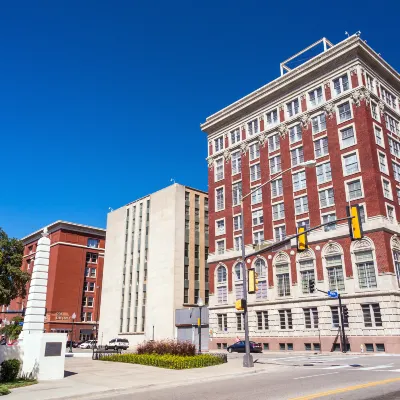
point(296, 377)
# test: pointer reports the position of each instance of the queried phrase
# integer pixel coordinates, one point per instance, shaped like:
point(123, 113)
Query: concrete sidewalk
point(92, 379)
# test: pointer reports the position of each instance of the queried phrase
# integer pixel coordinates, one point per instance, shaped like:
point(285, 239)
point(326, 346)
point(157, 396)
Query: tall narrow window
point(282, 277)
point(236, 163)
point(366, 270)
point(236, 193)
point(252, 127)
point(220, 201)
point(219, 169)
point(295, 133)
point(341, 84)
point(254, 151)
point(335, 272)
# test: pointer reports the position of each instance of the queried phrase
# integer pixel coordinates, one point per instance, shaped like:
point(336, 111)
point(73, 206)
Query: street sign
point(20, 323)
point(333, 293)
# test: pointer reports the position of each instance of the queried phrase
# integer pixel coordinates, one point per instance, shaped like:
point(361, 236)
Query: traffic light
point(302, 243)
point(355, 225)
point(345, 314)
point(252, 278)
point(240, 304)
point(311, 285)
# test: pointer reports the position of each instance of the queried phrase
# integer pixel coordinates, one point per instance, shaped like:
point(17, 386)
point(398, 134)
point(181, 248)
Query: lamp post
point(200, 304)
point(73, 316)
point(248, 358)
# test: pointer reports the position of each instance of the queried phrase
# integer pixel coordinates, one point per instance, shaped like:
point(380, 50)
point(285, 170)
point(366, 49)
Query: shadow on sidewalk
point(69, 373)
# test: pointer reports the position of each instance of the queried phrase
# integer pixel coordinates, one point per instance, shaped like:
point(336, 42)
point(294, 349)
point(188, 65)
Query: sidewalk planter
point(167, 360)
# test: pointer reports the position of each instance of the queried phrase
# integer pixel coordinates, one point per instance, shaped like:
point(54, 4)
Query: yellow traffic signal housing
point(240, 304)
point(355, 225)
point(302, 243)
point(252, 279)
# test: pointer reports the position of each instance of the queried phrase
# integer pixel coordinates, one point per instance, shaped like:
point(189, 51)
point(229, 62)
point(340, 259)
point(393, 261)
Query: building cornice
point(70, 226)
point(351, 49)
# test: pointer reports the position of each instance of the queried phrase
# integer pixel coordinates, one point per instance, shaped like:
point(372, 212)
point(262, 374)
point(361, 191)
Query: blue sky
point(101, 101)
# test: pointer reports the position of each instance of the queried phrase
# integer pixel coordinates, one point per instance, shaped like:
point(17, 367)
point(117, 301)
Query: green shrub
point(9, 370)
point(166, 360)
point(4, 390)
point(167, 347)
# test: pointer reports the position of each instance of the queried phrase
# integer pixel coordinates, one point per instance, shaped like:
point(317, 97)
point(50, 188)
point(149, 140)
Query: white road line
point(337, 367)
point(375, 367)
point(312, 376)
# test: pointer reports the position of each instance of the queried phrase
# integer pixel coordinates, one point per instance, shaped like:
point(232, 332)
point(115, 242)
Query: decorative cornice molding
point(261, 118)
point(227, 156)
point(281, 107)
point(329, 109)
point(283, 130)
point(244, 147)
point(360, 94)
point(327, 84)
point(305, 119)
point(381, 106)
point(262, 139)
point(303, 96)
point(353, 71)
point(210, 162)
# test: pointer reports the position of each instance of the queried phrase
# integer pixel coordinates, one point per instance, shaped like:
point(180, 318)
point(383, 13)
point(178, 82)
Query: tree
point(12, 330)
point(12, 279)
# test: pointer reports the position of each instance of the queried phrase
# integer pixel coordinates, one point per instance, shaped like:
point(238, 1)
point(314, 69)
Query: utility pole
point(342, 335)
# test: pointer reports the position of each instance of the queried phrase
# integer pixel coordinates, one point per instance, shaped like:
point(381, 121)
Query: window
point(238, 272)
point(297, 156)
point(238, 243)
point(93, 243)
point(378, 136)
point(370, 83)
point(350, 164)
point(321, 147)
point(272, 118)
point(372, 315)
point(335, 272)
point(278, 211)
point(220, 246)
point(396, 257)
point(221, 274)
point(390, 214)
point(280, 233)
point(235, 136)
point(388, 97)
point(236, 193)
point(220, 201)
point(196, 200)
point(285, 317)
point(383, 163)
point(293, 108)
point(273, 143)
point(301, 205)
point(335, 317)
point(252, 127)
point(365, 269)
point(327, 218)
point(315, 97)
point(275, 164)
point(304, 223)
point(91, 258)
point(219, 169)
point(398, 194)
point(187, 211)
point(257, 217)
point(347, 137)
point(282, 277)
point(220, 226)
point(87, 271)
point(354, 189)
point(258, 237)
point(374, 111)
point(255, 172)
point(341, 84)
point(256, 196)
point(89, 301)
point(276, 188)
point(93, 272)
point(236, 163)
point(299, 181)
point(318, 123)
point(186, 249)
point(88, 317)
point(239, 322)
point(307, 274)
point(91, 287)
point(219, 143)
point(387, 190)
point(394, 147)
point(261, 270)
point(222, 322)
point(295, 133)
point(262, 320)
point(324, 172)
point(254, 151)
point(196, 226)
point(222, 289)
point(237, 222)
point(311, 318)
point(344, 112)
point(186, 273)
point(392, 124)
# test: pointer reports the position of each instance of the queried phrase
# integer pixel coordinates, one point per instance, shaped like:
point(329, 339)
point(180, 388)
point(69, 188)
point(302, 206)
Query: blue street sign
point(332, 293)
point(20, 323)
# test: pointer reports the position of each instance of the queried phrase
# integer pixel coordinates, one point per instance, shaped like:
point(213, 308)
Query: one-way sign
point(332, 293)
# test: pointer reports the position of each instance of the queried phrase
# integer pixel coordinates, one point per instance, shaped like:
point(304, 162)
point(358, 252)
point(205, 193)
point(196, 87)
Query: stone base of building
point(366, 344)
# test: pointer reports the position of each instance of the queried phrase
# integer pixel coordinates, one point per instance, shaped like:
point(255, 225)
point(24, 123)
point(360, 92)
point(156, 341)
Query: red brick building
point(75, 276)
point(341, 109)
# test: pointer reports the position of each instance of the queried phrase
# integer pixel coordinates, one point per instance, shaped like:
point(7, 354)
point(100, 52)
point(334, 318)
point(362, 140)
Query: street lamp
point(73, 316)
point(200, 304)
point(248, 358)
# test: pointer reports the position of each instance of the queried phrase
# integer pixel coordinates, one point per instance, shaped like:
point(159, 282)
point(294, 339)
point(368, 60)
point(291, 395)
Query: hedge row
point(167, 347)
point(166, 360)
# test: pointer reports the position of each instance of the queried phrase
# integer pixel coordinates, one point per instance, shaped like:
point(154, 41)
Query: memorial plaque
point(53, 349)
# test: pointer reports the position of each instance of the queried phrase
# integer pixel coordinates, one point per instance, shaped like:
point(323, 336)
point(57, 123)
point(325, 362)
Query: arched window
point(238, 278)
point(364, 260)
point(333, 254)
point(222, 285)
point(306, 268)
point(282, 266)
point(261, 271)
point(395, 245)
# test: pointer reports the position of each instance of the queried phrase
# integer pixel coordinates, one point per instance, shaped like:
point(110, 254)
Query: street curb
point(134, 389)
